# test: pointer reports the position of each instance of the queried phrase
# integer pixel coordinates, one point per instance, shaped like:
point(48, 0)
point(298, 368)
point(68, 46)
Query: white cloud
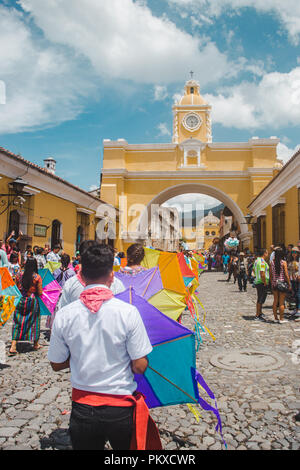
point(192, 201)
point(274, 102)
point(43, 86)
point(160, 93)
point(124, 40)
point(163, 129)
point(287, 11)
point(284, 153)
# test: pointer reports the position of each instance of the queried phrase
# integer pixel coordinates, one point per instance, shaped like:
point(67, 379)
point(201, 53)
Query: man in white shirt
point(104, 342)
point(74, 287)
point(53, 255)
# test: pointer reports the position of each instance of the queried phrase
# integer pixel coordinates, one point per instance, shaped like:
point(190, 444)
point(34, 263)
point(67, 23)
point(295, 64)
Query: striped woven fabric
point(26, 324)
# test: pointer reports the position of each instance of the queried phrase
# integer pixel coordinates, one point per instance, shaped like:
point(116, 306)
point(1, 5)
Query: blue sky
point(78, 72)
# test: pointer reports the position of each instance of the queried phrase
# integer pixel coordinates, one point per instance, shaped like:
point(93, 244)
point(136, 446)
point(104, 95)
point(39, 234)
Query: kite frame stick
point(146, 288)
point(172, 340)
point(172, 383)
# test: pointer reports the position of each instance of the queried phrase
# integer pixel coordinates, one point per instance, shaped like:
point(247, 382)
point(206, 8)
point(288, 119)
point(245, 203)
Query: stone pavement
point(252, 368)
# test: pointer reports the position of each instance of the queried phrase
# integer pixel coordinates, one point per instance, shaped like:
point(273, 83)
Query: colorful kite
point(148, 284)
point(9, 296)
point(171, 377)
point(52, 266)
point(51, 293)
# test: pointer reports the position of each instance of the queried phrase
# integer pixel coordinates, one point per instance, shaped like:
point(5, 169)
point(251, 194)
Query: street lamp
point(248, 219)
point(17, 187)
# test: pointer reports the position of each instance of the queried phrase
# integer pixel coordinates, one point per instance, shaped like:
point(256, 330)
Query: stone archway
point(177, 190)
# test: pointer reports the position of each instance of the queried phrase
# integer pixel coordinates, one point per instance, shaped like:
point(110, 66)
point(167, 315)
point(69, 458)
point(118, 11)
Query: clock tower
point(192, 116)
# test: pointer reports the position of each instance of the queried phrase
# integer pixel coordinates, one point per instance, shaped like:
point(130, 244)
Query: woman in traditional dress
point(26, 321)
point(135, 255)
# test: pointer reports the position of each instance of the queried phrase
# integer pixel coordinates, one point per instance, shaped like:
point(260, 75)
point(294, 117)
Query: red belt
point(146, 436)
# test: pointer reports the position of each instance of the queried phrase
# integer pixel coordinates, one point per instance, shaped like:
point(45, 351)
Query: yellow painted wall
point(291, 216)
point(48, 208)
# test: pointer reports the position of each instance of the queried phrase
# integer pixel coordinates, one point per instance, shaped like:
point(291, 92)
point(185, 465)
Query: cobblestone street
point(257, 404)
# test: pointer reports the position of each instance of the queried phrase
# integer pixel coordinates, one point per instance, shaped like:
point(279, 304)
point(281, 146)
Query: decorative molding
point(84, 211)
point(31, 191)
point(183, 173)
point(260, 171)
point(191, 107)
point(281, 200)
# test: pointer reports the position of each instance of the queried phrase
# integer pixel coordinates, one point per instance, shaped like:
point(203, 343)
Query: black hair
point(87, 244)
point(97, 262)
point(65, 261)
point(31, 268)
point(56, 247)
point(39, 250)
point(261, 251)
point(13, 257)
point(121, 255)
point(279, 255)
point(135, 254)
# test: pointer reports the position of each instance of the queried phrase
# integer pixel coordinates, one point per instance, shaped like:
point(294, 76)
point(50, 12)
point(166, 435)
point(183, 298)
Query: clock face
point(192, 122)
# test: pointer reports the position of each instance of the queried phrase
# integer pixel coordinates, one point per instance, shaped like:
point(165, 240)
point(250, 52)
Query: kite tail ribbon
point(206, 406)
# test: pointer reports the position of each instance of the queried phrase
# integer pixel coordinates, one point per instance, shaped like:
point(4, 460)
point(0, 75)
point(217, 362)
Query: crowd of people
point(275, 271)
point(12, 258)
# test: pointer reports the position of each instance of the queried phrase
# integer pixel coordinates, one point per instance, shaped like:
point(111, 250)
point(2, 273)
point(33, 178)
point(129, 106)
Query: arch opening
point(241, 226)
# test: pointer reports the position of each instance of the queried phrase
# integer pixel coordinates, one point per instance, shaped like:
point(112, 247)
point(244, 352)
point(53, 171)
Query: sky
point(75, 73)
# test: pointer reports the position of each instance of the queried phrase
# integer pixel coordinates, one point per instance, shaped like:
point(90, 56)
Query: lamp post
point(248, 219)
point(17, 187)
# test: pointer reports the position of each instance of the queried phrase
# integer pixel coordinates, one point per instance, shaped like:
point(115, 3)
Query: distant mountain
point(193, 218)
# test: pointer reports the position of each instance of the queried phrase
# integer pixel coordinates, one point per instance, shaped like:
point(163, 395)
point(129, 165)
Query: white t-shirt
point(73, 288)
point(101, 345)
point(53, 257)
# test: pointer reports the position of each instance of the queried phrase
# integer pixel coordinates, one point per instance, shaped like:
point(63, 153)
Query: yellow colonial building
point(136, 178)
point(202, 236)
point(276, 209)
point(46, 209)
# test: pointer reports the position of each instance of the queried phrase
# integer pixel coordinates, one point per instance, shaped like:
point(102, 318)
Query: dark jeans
point(242, 281)
point(261, 293)
point(92, 426)
point(296, 292)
